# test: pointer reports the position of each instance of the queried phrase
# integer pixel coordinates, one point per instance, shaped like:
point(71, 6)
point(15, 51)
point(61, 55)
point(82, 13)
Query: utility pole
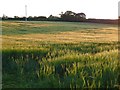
point(25, 12)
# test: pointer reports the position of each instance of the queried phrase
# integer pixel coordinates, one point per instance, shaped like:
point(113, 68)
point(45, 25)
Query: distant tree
point(35, 17)
point(72, 16)
point(30, 18)
point(41, 18)
point(61, 14)
point(4, 17)
point(23, 18)
point(53, 18)
point(69, 13)
point(68, 16)
point(80, 16)
point(16, 17)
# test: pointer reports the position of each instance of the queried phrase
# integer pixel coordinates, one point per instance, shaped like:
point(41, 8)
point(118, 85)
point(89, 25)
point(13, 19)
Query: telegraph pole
point(25, 12)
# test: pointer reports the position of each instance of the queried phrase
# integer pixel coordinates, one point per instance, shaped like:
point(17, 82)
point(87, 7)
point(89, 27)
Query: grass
point(46, 27)
point(60, 55)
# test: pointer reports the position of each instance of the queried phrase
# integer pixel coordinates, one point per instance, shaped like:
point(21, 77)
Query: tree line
point(67, 16)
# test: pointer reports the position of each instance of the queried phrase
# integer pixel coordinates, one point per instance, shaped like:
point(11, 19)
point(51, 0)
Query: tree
point(30, 18)
point(72, 16)
point(80, 17)
point(68, 16)
point(53, 18)
point(4, 17)
point(41, 18)
point(16, 17)
point(69, 13)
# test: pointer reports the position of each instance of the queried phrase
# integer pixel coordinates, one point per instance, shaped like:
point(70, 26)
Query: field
point(59, 55)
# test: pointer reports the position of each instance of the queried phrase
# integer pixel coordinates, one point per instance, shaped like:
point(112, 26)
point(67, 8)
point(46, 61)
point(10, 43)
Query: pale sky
point(101, 9)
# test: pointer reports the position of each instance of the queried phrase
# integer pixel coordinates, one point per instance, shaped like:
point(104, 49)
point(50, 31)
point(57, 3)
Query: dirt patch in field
point(10, 23)
point(27, 24)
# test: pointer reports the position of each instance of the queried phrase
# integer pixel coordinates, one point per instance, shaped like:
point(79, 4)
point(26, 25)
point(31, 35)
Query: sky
point(100, 9)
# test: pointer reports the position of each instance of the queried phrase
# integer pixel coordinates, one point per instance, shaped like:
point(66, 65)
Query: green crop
point(28, 62)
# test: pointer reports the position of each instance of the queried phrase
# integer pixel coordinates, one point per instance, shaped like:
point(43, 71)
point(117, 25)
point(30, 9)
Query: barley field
point(59, 55)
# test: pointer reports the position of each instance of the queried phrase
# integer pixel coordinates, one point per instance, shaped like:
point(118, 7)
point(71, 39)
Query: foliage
point(72, 16)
